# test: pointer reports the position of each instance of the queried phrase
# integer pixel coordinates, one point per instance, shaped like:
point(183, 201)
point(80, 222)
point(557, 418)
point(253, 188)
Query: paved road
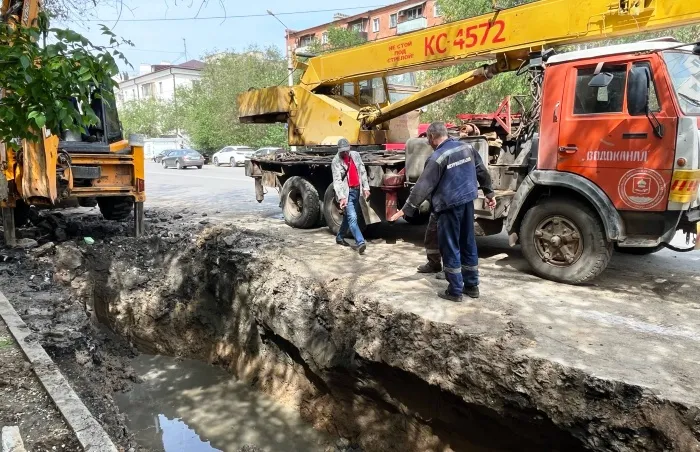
point(223, 189)
point(228, 192)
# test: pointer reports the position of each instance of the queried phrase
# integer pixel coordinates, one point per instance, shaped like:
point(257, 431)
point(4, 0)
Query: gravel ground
point(23, 402)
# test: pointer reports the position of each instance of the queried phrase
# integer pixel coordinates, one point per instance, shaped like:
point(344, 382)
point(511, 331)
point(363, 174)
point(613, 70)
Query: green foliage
point(338, 38)
point(39, 81)
point(150, 117)
point(210, 109)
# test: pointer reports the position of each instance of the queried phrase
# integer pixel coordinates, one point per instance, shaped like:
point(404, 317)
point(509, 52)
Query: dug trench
point(354, 367)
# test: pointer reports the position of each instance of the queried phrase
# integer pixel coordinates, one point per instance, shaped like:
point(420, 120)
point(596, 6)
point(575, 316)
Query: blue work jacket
point(452, 177)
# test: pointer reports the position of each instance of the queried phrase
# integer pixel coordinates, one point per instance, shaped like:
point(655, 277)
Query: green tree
point(150, 117)
point(210, 108)
point(338, 38)
point(42, 81)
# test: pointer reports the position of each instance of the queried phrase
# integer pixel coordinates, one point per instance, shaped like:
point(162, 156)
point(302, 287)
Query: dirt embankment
point(385, 379)
point(388, 380)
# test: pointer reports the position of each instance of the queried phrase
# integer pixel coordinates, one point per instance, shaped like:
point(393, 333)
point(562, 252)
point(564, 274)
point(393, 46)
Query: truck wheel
point(331, 210)
point(332, 213)
point(87, 202)
point(638, 250)
point(300, 203)
point(21, 213)
point(116, 208)
point(565, 241)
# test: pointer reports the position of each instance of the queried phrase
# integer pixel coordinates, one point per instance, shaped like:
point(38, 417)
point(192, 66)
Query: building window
point(147, 90)
point(436, 10)
point(414, 13)
point(306, 40)
point(375, 25)
point(392, 21)
point(593, 100)
point(356, 27)
point(324, 38)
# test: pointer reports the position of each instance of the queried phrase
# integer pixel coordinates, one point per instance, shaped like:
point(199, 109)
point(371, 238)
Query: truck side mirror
point(601, 80)
point(638, 91)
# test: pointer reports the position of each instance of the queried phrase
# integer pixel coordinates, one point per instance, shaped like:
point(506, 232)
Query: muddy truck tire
point(87, 202)
point(333, 215)
point(564, 240)
point(300, 203)
point(116, 208)
point(21, 213)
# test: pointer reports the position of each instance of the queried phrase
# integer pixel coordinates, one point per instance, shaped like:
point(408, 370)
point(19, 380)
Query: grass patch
point(5, 342)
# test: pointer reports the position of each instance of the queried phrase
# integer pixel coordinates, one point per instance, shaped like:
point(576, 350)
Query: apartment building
point(159, 81)
point(390, 20)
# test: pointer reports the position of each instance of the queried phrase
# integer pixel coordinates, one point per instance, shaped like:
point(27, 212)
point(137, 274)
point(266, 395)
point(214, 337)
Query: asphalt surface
point(211, 189)
point(228, 193)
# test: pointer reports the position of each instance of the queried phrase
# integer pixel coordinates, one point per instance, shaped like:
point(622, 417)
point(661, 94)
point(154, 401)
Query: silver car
point(182, 158)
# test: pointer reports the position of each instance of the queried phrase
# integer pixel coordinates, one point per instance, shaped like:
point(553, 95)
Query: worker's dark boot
point(449, 297)
point(429, 267)
point(362, 248)
point(341, 242)
point(471, 291)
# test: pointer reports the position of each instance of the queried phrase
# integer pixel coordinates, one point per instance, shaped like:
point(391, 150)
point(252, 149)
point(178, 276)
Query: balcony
point(412, 25)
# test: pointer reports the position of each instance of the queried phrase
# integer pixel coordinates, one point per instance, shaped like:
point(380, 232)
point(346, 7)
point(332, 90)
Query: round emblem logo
point(642, 188)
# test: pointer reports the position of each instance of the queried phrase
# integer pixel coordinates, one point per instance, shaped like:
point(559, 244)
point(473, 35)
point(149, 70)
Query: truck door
point(600, 140)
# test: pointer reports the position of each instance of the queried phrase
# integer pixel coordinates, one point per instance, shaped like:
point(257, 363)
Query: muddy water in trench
point(185, 405)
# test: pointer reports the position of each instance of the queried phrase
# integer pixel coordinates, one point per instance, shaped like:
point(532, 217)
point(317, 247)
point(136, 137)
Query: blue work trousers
point(457, 243)
point(352, 210)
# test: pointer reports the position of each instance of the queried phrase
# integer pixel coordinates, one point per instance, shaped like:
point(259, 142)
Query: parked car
point(159, 156)
point(232, 155)
point(206, 155)
point(182, 158)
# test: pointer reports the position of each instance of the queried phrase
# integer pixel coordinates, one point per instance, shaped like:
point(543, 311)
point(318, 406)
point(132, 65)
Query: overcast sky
point(157, 41)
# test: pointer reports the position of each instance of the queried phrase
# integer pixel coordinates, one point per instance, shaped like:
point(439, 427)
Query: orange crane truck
point(607, 153)
point(98, 167)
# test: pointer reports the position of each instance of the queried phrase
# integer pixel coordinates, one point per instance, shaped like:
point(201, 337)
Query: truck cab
point(617, 158)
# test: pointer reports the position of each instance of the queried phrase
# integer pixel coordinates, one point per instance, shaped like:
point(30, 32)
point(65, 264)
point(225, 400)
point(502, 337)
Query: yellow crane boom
point(320, 109)
point(513, 32)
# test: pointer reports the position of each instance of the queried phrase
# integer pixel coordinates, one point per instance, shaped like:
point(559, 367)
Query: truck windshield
point(684, 68)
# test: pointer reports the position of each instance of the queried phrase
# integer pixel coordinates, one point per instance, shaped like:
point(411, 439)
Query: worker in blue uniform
point(451, 180)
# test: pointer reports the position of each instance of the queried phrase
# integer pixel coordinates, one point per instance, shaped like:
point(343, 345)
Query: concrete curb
point(89, 432)
point(11, 440)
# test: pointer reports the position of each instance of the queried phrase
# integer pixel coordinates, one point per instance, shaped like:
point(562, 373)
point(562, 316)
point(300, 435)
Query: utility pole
point(290, 58)
point(184, 42)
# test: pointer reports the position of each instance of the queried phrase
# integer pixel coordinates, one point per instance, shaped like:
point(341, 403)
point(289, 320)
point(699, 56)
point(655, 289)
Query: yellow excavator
point(98, 167)
point(607, 154)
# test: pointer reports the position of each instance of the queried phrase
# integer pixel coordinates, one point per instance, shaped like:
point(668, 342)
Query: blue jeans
point(457, 243)
point(350, 218)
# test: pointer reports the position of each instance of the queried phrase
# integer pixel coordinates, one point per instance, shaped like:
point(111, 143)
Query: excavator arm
point(317, 112)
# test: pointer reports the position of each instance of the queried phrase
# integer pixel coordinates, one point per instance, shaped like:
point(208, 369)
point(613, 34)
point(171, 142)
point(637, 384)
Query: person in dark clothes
point(430, 242)
point(451, 180)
